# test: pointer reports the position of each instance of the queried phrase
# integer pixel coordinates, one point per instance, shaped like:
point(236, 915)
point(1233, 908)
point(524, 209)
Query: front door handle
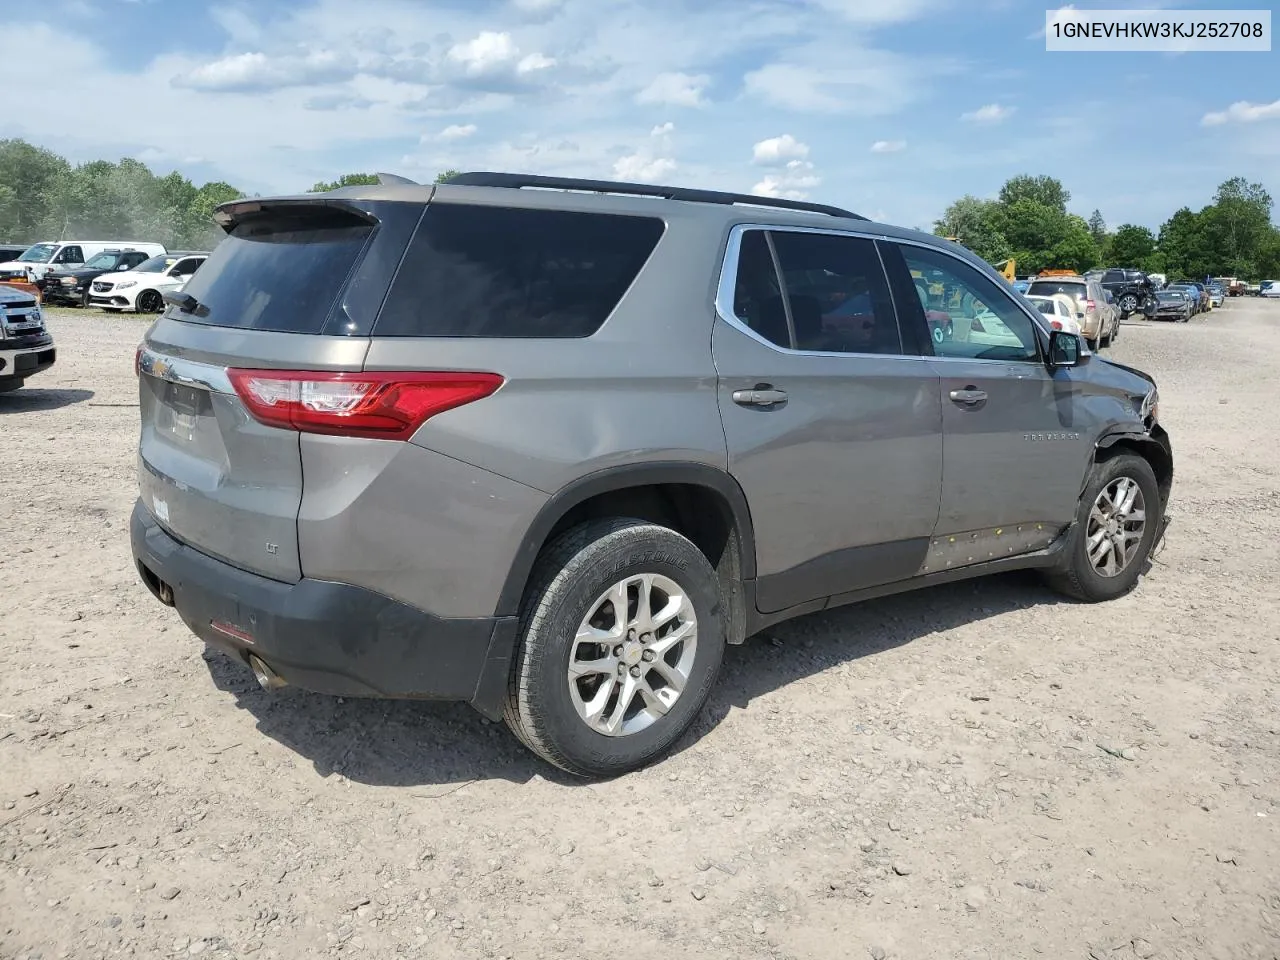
point(968, 397)
point(762, 396)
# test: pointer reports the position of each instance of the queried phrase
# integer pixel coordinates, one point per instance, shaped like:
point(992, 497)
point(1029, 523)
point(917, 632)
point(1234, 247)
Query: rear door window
point(281, 269)
point(478, 271)
point(838, 294)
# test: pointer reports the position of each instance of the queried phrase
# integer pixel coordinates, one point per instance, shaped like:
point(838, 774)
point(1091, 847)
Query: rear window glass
point(475, 271)
point(280, 270)
point(1047, 288)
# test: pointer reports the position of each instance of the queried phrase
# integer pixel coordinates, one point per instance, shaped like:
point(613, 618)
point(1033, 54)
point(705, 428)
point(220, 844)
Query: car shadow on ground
point(26, 400)
point(408, 743)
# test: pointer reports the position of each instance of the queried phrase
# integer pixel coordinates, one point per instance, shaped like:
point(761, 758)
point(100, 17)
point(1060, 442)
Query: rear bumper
point(327, 637)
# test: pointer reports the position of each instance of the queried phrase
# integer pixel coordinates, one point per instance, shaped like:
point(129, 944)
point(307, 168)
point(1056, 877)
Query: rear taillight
point(1056, 324)
point(1090, 305)
point(389, 406)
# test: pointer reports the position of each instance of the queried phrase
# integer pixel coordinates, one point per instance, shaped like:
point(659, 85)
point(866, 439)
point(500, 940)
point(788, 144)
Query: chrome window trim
point(190, 373)
point(729, 280)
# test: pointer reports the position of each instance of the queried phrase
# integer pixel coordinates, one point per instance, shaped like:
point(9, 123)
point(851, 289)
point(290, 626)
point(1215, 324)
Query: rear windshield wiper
point(186, 303)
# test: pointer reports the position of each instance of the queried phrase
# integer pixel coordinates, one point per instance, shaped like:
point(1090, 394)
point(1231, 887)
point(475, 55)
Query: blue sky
point(889, 107)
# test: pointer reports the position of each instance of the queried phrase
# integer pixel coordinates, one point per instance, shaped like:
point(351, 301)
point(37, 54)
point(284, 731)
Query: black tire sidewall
point(1092, 584)
point(549, 710)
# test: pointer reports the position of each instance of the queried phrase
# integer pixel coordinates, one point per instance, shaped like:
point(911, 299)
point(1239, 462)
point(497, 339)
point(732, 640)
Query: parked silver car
point(1098, 316)
point(548, 450)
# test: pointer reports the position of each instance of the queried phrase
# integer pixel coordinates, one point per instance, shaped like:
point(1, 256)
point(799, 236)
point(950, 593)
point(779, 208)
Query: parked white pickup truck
point(26, 347)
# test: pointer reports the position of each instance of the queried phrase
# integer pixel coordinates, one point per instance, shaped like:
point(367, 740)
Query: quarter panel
point(410, 523)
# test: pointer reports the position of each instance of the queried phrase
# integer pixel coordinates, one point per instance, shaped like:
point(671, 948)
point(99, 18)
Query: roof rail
point(518, 180)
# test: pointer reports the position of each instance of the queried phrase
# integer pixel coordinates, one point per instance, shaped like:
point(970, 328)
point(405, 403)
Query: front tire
point(1119, 516)
point(622, 635)
point(1128, 304)
point(150, 301)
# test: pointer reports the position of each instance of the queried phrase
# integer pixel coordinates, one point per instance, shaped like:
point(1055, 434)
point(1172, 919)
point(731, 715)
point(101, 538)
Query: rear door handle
point(968, 397)
point(759, 397)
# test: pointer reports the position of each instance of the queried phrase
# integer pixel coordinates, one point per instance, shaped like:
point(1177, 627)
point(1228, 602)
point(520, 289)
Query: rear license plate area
point(184, 406)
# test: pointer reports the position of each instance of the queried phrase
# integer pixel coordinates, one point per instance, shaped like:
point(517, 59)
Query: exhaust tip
point(267, 678)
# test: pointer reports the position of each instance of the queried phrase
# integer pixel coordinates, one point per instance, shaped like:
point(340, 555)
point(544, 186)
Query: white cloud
point(486, 52)
point(889, 146)
point(676, 89)
point(245, 72)
point(866, 82)
point(643, 169)
point(776, 151)
point(455, 131)
point(534, 62)
point(991, 113)
point(663, 130)
point(1242, 111)
point(793, 182)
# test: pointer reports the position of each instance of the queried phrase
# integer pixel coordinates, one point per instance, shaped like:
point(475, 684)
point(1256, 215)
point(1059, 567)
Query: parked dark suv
point(1132, 289)
point(548, 450)
point(71, 285)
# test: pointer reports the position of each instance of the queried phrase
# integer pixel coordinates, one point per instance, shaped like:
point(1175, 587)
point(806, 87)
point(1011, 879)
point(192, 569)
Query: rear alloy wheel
point(621, 640)
point(1120, 516)
point(150, 301)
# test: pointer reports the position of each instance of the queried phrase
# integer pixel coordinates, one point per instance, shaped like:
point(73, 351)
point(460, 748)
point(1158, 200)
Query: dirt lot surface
point(977, 771)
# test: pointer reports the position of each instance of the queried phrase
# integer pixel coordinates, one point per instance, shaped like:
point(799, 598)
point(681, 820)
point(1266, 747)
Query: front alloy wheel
point(1119, 518)
point(150, 301)
point(1117, 524)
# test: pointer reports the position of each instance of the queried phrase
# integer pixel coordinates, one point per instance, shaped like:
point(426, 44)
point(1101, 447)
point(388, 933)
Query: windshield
point(40, 253)
point(103, 261)
point(1044, 306)
point(155, 265)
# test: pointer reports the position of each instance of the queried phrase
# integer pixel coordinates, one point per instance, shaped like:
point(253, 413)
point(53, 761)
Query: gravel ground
point(974, 771)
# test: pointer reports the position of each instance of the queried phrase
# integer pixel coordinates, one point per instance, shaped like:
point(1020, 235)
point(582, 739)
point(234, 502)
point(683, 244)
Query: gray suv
point(546, 446)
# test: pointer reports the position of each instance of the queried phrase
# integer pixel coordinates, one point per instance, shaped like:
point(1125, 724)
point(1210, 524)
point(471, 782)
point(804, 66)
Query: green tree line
point(1029, 222)
point(45, 197)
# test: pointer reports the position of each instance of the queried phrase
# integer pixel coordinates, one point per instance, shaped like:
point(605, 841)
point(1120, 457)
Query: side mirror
point(1064, 350)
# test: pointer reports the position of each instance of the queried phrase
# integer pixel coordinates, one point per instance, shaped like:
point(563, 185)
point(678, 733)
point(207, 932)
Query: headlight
point(126, 285)
point(68, 281)
point(1151, 405)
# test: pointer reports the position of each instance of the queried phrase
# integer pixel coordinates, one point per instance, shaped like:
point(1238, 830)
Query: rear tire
point(565, 720)
point(1084, 575)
